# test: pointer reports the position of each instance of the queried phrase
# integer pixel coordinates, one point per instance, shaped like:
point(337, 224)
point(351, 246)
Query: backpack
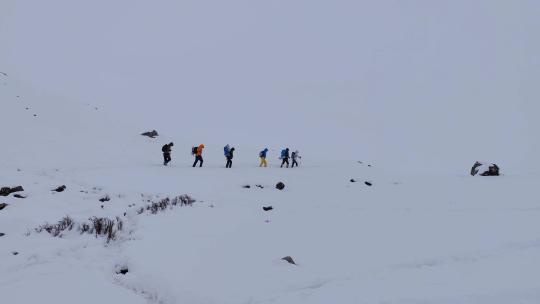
point(226, 150)
point(261, 154)
point(283, 153)
point(194, 151)
point(164, 148)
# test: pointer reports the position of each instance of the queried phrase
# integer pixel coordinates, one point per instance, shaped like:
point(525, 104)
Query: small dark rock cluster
point(61, 188)
point(106, 198)
point(268, 208)
point(280, 186)
point(487, 170)
point(122, 270)
point(151, 134)
point(5, 191)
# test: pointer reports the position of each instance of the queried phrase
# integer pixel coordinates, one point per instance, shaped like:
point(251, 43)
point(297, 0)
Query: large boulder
point(485, 169)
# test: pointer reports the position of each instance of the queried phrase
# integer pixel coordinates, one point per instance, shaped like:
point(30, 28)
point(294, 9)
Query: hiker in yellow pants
point(262, 155)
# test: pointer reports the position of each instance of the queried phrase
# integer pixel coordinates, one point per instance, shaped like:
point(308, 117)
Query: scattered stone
point(61, 188)
point(35, 115)
point(106, 198)
point(5, 191)
point(280, 186)
point(15, 253)
point(2, 234)
point(3, 205)
point(17, 189)
point(368, 184)
point(268, 208)
point(259, 186)
point(101, 206)
point(353, 180)
point(123, 270)
point(485, 169)
point(246, 186)
point(289, 260)
point(151, 134)
point(19, 196)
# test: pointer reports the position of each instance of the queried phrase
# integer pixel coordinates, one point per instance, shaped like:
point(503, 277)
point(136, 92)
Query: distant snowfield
point(409, 238)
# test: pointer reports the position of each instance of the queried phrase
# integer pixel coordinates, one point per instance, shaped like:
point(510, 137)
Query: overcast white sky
point(442, 81)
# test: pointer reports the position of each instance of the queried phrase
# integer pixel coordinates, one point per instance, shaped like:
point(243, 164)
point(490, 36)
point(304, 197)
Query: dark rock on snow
point(368, 184)
point(61, 188)
point(259, 186)
point(246, 186)
point(106, 198)
point(280, 186)
point(15, 253)
point(289, 260)
point(19, 196)
point(353, 180)
point(3, 205)
point(5, 191)
point(2, 234)
point(268, 208)
point(151, 134)
point(123, 270)
point(17, 189)
point(485, 169)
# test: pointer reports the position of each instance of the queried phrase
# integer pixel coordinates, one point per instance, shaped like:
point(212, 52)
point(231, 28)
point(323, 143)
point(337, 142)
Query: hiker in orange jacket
point(198, 156)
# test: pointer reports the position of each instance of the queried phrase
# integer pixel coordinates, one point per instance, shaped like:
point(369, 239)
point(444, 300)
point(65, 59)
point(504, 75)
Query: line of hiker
point(228, 152)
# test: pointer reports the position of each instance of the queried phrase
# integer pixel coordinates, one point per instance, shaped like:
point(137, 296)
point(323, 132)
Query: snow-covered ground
point(403, 95)
point(408, 238)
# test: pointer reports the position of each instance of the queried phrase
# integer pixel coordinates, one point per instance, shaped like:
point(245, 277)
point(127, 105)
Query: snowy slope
point(409, 238)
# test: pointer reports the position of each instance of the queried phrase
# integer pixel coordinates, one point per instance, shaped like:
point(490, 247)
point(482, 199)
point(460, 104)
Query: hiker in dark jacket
point(295, 156)
point(166, 149)
point(229, 157)
point(285, 157)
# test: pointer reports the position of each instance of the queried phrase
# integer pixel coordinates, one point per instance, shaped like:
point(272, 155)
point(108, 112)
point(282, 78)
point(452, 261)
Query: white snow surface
point(409, 238)
point(403, 95)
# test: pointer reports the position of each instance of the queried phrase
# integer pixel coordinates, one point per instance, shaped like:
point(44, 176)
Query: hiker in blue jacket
point(285, 157)
point(262, 155)
point(229, 154)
